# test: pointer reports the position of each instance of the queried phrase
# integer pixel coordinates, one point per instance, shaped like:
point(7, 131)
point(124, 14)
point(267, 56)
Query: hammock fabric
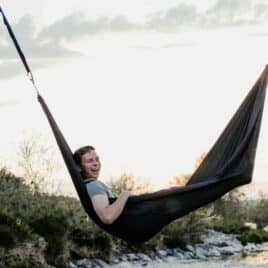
point(229, 164)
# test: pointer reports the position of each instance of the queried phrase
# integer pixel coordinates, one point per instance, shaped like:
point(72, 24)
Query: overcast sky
point(151, 84)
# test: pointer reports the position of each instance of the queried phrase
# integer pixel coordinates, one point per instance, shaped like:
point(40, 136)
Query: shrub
point(16, 231)
point(54, 229)
point(187, 230)
point(8, 237)
point(259, 214)
point(126, 182)
point(230, 213)
point(21, 264)
point(254, 236)
point(99, 243)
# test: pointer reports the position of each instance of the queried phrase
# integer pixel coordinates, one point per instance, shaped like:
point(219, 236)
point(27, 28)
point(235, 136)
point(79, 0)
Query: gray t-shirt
point(95, 187)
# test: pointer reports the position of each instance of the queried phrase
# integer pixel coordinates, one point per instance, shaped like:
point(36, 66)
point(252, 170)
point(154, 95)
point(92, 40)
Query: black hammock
point(228, 164)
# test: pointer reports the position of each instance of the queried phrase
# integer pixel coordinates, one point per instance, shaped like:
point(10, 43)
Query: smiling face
point(90, 164)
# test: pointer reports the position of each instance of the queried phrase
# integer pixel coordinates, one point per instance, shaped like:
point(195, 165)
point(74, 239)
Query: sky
point(151, 84)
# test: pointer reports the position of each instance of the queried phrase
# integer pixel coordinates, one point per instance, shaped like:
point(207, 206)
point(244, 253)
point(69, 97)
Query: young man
point(89, 163)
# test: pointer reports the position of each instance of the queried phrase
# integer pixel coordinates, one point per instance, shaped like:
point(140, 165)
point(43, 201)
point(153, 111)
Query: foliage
point(230, 213)
point(186, 230)
point(254, 236)
point(259, 213)
point(126, 182)
point(21, 264)
point(8, 237)
point(27, 214)
point(12, 231)
point(37, 162)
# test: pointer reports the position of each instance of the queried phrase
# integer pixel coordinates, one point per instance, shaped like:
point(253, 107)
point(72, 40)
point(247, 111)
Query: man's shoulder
point(95, 183)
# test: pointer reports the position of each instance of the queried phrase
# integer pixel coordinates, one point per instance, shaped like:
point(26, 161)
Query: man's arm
point(106, 212)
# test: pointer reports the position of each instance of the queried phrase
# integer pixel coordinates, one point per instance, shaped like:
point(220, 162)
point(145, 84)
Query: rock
point(116, 261)
point(251, 225)
point(227, 251)
point(200, 253)
point(250, 247)
point(162, 253)
point(263, 247)
point(84, 263)
point(213, 252)
point(190, 248)
point(144, 257)
point(100, 263)
point(123, 265)
point(179, 256)
point(170, 252)
point(123, 258)
point(71, 265)
point(132, 257)
point(265, 228)
point(188, 255)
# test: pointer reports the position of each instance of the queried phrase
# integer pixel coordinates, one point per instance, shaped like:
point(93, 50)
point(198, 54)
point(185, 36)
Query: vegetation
point(28, 215)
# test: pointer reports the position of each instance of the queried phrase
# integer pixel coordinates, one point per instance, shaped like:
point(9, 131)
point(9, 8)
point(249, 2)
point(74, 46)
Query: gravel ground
point(258, 261)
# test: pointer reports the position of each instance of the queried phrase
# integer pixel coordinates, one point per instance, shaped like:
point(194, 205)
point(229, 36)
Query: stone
point(115, 260)
point(179, 256)
point(188, 255)
point(251, 225)
point(190, 248)
point(144, 257)
point(123, 265)
point(123, 258)
point(170, 252)
point(162, 253)
point(227, 251)
point(213, 252)
point(100, 263)
point(200, 253)
point(132, 257)
point(83, 263)
point(72, 265)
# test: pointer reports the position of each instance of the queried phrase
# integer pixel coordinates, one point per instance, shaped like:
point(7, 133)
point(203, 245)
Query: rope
point(17, 46)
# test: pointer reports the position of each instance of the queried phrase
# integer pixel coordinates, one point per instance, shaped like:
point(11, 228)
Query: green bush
point(99, 243)
point(259, 213)
point(187, 230)
point(8, 238)
point(21, 264)
point(16, 230)
point(230, 213)
point(54, 229)
point(253, 236)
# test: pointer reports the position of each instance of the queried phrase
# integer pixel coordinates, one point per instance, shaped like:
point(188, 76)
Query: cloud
point(76, 26)
point(52, 42)
point(173, 18)
point(226, 13)
point(32, 46)
point(40, 53)
point(13, 67)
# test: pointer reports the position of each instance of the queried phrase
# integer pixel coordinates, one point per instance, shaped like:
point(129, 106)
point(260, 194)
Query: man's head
point(88, 161)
